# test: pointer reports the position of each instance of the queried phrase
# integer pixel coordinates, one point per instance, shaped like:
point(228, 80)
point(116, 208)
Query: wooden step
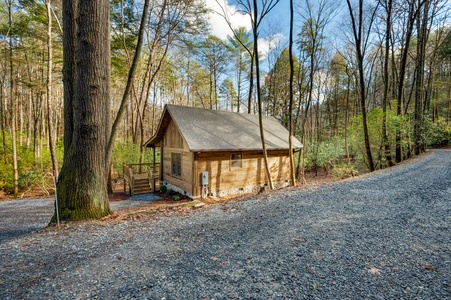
point(142, 191)
point(142, 186)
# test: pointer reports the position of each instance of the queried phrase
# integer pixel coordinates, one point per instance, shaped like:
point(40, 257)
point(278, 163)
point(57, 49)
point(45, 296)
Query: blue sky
point(271, 25)
point(276, 24)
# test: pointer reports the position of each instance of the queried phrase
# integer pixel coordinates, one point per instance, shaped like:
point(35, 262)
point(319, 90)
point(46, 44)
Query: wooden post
point(123, 175)
point(153, 169)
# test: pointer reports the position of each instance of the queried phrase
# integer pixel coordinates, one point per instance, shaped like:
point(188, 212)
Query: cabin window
point(176, 164)
point(236, 160)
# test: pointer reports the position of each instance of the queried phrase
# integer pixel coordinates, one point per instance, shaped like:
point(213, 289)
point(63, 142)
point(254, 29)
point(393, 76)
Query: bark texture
point(82, 190)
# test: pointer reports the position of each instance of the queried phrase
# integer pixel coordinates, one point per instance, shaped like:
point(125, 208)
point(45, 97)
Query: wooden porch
point(141, 178)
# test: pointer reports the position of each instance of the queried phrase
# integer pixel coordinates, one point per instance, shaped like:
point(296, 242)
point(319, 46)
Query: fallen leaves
point(297, 240)
point(428, 267)
point(373, 271)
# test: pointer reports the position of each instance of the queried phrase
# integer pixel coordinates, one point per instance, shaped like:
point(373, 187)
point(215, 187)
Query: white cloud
point(221, 29)
point(218, 24)
point(266, 45)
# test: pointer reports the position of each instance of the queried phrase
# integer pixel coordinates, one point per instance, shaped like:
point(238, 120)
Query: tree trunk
point(385, 100)
point(12, 107)
point(130, 81)
point(259, 100)
point(357, 28)
point(49, 88)
point(402, 74)
point(251, 83)
point(290, 109)
point(82, 192)
point(422, 24)
point(2, 121)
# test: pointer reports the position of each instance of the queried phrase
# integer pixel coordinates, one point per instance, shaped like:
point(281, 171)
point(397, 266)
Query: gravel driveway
point(383, 236)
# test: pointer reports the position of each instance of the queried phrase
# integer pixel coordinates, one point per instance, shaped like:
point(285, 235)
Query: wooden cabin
point(219, 153)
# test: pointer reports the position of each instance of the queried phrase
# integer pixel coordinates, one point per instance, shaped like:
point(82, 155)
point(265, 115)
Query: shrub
point(128, 153)
point(168, 192)
point(176, 198)
point(163, 188)
point(325, 154)
point(438, 133)
point(344, 170)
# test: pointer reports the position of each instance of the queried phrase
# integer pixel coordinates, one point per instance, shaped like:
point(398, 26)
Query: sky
point(218, 25)
point(269, 35)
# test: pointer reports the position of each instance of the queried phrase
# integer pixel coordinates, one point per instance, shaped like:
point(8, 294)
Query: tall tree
point(49, 87)
point(316, 16)
point(361, 33)
point(277, 87)
point(245, 9)
point(82, 185)
point(388, 5)
point(256, 19)
point(241, 37)
point(12, 98)
point(290, 109)
point(215, 55)
point(413, 7)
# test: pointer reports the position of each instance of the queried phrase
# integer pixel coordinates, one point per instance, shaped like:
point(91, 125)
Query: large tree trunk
point(82, 185)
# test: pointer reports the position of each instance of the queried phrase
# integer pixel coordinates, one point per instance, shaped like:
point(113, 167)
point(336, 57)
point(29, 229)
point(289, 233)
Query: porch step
point(142, 186)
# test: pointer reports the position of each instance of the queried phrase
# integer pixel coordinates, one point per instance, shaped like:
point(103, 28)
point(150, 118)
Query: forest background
point(371, 82)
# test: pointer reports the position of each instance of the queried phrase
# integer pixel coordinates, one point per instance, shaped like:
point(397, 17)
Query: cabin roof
point(215, 130)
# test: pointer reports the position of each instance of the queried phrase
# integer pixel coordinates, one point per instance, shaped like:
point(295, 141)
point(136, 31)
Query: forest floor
point(384, 235)
point(312, 177)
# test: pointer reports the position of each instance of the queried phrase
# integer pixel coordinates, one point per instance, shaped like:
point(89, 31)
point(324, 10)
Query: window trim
point(236, 160)
point(174, 163)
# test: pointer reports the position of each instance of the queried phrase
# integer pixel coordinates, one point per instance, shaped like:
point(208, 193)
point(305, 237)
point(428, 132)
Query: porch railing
point(132, 172)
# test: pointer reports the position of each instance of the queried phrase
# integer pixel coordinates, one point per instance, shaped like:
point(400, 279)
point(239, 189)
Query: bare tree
point(361, 34)
point(413, 8)
point(246, 9)
point(290, 109)
point(316, 15)
point(11, 96)
point(256, 18)
point(49, 87)
point(388, 5)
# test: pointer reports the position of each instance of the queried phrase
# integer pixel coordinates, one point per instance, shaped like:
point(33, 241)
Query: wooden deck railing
point(133, 171)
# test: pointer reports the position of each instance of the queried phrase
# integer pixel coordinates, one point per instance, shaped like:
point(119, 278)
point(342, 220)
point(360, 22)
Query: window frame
point(176, 164)
point(235, 160)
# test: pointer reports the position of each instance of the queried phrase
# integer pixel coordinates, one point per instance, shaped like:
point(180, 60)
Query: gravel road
point(382, 236)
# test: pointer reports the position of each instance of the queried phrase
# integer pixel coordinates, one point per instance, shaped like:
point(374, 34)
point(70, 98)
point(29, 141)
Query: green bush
point(168, 192)
point(33, 171)
point(438, 133)
point(344, 170)
point(129, 153)
point(176, 198)
point(163, 188)
point(325, 154)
